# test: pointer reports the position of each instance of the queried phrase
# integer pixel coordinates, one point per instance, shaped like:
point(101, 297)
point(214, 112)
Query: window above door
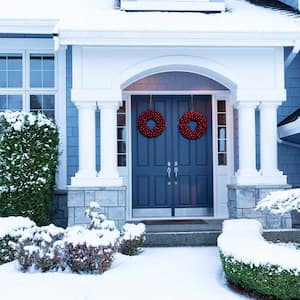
point(173, 5)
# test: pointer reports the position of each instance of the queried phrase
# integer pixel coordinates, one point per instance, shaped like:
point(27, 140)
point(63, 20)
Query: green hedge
point(269, 280)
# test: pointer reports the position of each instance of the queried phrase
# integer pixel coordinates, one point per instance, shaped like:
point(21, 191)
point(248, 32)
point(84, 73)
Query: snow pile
point(10, 225)
point(281, 202)
point(133, 231)
point(242, 240)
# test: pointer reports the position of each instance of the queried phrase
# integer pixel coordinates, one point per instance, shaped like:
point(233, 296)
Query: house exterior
point(99, 68)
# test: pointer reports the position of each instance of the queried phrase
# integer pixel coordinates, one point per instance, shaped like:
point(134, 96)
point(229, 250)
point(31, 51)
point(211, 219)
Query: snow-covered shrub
point(132, 238)
point(255, 265)
point(89, 251)
point(280, 202)
point(36, 247)
point(9, 226)
point(28, 162)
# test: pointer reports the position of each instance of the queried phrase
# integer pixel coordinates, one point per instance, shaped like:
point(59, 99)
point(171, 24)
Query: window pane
point(15, 102)
point(14, 79)
point(14, 63)
point(221, 106)
point(222, 133)
point(35, 63)
point(48, 62)
point(49, 113)
point(121, 147)
point(121, 134)
point(122, 160)
point(3, 80)
point(221, 119)
point(48, 79)
point(35, 79)
point(121, 120)
point(48, 102)
point(222, 159)
point(35, 102)
point(222, 146)
point(2, 62)
point(3, 102)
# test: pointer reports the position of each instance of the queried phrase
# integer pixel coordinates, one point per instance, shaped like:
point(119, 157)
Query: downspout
point(293, 53)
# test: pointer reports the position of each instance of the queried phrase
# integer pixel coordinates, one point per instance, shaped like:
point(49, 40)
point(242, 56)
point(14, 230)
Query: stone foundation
point(112, 201)
point(242, 201)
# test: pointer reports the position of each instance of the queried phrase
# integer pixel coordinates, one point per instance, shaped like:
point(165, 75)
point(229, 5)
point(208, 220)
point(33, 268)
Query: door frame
point(224, 172)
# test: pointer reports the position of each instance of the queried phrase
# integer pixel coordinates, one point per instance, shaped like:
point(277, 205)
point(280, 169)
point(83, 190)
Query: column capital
point(269, 104)
point(109, 104)
point(246, 104)
point(85, 104)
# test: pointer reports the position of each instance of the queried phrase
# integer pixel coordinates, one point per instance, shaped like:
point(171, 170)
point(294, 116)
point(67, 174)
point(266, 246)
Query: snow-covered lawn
point(156, 274)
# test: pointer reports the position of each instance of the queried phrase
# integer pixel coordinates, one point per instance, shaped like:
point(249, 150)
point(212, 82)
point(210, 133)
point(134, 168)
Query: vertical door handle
point(169, 172)
point(176, 171)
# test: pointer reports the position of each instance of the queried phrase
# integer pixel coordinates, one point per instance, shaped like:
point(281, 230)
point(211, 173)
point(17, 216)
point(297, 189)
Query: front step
point(181, 239)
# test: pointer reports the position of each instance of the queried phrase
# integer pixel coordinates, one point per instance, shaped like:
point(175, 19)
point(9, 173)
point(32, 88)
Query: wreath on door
point(145, 117)
point(186, 131)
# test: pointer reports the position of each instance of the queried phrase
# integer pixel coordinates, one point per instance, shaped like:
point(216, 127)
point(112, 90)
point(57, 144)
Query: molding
point(289, 129)
point(97, 95)
point(28, 26)
point(263, 95)
point(175, 38)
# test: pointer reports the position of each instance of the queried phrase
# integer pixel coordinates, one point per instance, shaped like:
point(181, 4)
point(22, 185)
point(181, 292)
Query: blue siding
point(289, 157)
point(72, 124)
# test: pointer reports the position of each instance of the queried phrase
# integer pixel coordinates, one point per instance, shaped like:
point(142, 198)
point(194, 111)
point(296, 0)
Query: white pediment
point(173, 5)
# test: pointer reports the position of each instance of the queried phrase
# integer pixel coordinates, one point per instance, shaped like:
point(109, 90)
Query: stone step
point(209, 238)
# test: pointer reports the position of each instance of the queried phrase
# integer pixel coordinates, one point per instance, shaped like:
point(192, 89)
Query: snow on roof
point(103, 15)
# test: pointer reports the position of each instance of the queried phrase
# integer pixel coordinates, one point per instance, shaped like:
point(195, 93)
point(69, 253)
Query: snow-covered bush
point(89, 251)
point(132, 238)
point(9, 226)
point(255, 265)
point(28, 162)
point(36, 247)
point(281, 202)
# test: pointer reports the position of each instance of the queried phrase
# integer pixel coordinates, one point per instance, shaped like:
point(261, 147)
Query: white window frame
point(25, 47)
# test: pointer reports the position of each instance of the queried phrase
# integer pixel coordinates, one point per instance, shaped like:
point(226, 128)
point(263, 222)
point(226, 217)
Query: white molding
point(176, 38)
point(165, 5)
point(289, 128)
point(28, 26)
point(99, 95)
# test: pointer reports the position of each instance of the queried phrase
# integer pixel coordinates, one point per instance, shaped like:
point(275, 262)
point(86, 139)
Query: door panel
point(150, 156)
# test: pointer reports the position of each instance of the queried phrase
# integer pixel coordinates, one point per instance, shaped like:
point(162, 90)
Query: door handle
point(176, 171)
point(169, 172)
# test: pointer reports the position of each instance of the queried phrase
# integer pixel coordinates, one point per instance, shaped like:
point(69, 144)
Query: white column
point(268, 144)
point(108, 175)
point(86, 175)
point(247, 173)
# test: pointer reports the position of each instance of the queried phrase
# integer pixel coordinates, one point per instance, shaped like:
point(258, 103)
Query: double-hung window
point(27, 82)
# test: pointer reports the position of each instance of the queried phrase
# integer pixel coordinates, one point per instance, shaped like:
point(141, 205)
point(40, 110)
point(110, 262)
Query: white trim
point(28, 26)
point(176, 38)
point(289, 128)
point(165, 5)
point(218, 212)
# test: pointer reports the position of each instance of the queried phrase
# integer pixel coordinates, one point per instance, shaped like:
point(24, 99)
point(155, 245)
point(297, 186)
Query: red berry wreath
point(146, 116)
point(186, 131)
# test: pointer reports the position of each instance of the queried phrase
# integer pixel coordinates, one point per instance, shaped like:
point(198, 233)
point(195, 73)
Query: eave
point(175, 38)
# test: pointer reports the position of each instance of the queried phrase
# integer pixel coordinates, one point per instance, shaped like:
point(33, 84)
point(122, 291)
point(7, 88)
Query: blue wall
point(72, 124)
point(289, 157)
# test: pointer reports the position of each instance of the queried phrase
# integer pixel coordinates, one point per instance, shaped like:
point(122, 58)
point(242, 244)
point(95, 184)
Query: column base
point(79, 180)
point(273, 177)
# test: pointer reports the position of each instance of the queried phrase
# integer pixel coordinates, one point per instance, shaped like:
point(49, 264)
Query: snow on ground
point(156, 274)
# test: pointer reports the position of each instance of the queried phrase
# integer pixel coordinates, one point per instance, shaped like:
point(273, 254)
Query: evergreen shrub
point(28, 163)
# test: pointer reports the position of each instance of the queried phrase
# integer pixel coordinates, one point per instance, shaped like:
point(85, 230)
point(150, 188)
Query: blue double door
point(172, 175)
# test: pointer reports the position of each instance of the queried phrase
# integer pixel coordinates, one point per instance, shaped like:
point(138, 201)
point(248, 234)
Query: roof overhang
point(28, 26)
point(290, 131)
point(176, 38)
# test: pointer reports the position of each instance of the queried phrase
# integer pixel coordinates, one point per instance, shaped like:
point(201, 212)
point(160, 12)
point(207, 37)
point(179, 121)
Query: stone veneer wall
point(242, 201)
point(112, 201)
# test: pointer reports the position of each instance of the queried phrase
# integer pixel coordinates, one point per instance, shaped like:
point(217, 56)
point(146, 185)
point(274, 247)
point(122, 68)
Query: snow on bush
point(254, 264)
point(8, 234)
point(132, 238)
point(281, 202)
point(28, 162)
